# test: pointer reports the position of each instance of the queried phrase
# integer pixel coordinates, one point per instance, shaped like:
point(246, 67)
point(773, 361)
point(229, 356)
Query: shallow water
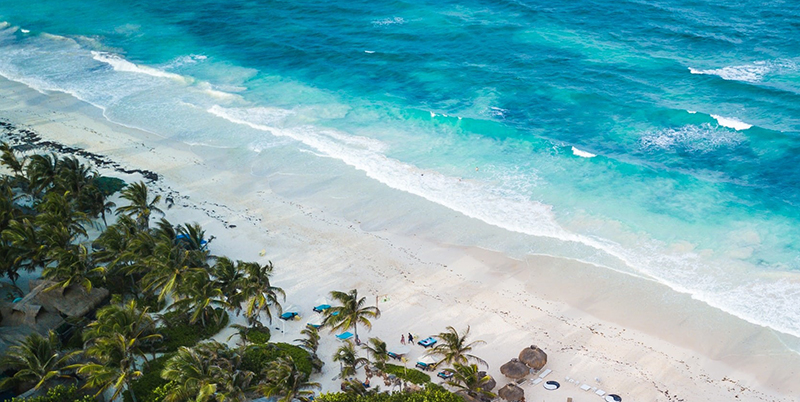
point(657, 138)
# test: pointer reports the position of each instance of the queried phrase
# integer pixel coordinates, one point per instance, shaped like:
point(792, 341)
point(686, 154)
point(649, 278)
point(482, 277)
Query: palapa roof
point(73, 301)
point(534, 357)
point(514, 369)
point(467, 397)
point(511, 392)
point(490, 383)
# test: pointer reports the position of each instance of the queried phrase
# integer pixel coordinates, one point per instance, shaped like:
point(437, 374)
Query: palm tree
point(453, 348)
point(467, 378)
point(379, 352)
point(140, 205)
point(348, 358)
point(351, 312)
point(310, 343)
point(37, 360)
point(192, 237)
point(283, 378)
point(258, 292)
point(169, 267)
point(114, 342)
point(74, 267)
point(229, 277)
point(41, 172)
point(199, 299)
point(207, 372)
point(28, 248)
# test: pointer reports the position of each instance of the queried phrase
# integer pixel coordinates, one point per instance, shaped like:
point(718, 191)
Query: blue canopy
point(344, 336)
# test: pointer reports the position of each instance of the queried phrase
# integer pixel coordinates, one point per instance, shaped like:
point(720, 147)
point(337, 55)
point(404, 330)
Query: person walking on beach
point(403, 339)
point(410, 338)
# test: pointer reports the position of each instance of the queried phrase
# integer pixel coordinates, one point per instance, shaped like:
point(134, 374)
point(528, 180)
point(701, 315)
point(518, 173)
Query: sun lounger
point(321, 307)
point(290, 315)
point(427, 342)
point(536, 381)
point(586, 387)
point(600, 392)
point(344, 336)
point(445, 374)
point(545, 373)
point(426, 363)
point(393, 355)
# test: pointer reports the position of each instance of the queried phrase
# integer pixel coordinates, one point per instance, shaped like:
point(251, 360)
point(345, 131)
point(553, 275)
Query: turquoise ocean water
point(659, 138)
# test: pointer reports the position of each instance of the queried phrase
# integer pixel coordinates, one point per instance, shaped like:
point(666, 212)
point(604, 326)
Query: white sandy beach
point(434, 268)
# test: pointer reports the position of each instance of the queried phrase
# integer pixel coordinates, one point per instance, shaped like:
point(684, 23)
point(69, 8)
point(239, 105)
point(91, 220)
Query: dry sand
point(612, 331)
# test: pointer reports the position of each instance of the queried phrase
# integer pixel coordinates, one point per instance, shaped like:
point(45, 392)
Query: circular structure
point(490, 382)
point(551, 385)
point(534, 357)
point(613, 398)
point(515, 369)
point(511, 392)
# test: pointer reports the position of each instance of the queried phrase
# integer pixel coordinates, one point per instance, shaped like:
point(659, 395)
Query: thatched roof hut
point(515, 369)
point(73, 301)
point(511, 392)
point(534, 357)
point(490, 383)
point(467, 397)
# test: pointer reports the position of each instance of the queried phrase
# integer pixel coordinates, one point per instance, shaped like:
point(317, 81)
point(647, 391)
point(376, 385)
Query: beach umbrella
point(511, 392)
point(534, 357)
point(515, 369)
point(490, 383)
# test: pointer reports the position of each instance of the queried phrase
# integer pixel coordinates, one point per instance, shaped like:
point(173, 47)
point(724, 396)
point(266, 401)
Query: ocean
point(658, 138)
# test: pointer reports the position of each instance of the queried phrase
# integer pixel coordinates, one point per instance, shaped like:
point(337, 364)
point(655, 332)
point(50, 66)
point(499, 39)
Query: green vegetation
point(431, 393)
point(59, 393)
point(177, 331)
point(255, 334)
point(146, 387)
point(411, 375)
point(257, 358)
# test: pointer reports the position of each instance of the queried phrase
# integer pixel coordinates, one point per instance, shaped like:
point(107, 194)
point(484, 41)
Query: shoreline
point(643, 353)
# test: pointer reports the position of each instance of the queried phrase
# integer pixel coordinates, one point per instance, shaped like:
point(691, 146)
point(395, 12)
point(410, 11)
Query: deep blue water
point(661, 134)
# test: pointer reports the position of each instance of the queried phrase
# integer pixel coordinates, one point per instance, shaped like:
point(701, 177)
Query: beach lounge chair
point(445, 374)
point(289, 315)
point(345, 336)
point(427, 342)
point(321, 307)
point(426, 363)
point(398, 351)
point(315, 322)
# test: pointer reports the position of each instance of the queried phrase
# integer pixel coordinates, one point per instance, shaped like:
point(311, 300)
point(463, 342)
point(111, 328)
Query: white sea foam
point(389, 21)
point(24, 31)
point(731, 122)
point(691, 111)
point(120, 64)
point(753, 72)
point(696, 138)
point(582, 154)
point(369, 51)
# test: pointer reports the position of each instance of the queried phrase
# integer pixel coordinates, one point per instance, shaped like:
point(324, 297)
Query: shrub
point(145, 387)
point(254, 334)
point(257, 357)
point(429, 394)
point(411, 375)
point(59, 393)
point(178, 332)
point(109, 185)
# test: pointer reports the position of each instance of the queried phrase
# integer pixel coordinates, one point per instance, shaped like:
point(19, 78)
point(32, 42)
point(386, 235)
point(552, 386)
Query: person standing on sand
point(403, 339)
point(410, 338)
